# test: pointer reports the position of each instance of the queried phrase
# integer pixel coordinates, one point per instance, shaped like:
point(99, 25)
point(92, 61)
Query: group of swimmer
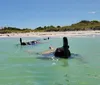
point(61, 52)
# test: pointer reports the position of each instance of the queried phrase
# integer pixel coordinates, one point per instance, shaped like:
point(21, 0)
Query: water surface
point(21, 65)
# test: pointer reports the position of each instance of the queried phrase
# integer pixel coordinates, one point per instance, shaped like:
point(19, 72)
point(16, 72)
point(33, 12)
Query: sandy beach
point(53, 34)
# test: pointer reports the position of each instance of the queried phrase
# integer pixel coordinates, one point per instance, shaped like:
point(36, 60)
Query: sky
point(35, 13)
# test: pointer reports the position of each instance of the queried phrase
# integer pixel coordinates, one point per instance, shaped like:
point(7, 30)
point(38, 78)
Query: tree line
point(82, 25)
point(14, 30)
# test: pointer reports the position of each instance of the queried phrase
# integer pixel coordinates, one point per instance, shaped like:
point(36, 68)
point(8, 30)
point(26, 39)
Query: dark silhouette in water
point(28, 43)
point(22, 43)
point(46, 38)
point(63, 52)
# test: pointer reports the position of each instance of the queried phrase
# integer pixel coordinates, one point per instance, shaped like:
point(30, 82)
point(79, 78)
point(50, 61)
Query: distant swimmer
point(46, 38)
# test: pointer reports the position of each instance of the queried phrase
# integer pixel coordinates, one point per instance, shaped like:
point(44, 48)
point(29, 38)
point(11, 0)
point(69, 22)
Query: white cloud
point(92, 12)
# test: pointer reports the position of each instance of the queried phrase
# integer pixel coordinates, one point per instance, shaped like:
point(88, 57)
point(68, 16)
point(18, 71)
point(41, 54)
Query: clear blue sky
point(35, 13)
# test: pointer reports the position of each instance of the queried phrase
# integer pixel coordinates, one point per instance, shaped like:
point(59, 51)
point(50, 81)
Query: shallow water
point(21, 65)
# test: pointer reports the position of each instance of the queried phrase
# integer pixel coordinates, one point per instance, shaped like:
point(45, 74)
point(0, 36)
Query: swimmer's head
point(50, 47)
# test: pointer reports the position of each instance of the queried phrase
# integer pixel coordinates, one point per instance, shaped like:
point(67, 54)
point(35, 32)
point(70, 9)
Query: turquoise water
point(20, 65)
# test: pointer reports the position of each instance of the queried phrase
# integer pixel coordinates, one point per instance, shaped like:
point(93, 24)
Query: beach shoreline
point(53, 34)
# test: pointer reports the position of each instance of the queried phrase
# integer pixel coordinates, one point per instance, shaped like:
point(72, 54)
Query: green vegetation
point(82, 25)
point(14, 30)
